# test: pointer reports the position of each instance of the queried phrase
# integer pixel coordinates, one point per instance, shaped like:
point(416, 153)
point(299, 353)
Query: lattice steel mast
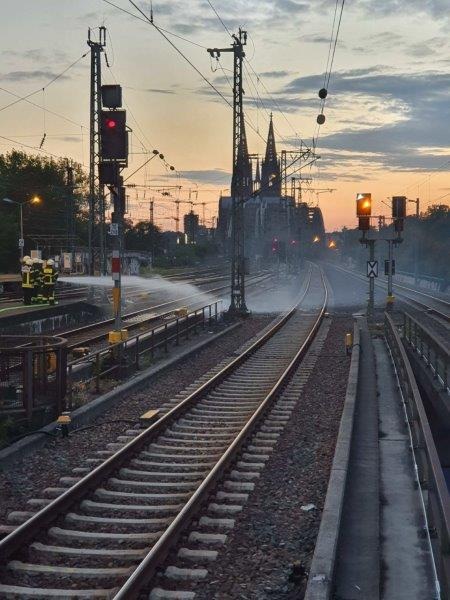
point(241, 182)
point(96, 223)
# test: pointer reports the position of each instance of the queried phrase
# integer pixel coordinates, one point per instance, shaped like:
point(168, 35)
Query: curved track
point(105, 533)
point(417, 298)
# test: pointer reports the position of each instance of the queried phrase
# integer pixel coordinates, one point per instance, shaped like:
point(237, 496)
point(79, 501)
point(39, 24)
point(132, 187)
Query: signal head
point(363, 205)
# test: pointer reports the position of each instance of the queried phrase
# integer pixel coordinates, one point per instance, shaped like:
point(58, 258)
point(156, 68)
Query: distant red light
point(110, 123)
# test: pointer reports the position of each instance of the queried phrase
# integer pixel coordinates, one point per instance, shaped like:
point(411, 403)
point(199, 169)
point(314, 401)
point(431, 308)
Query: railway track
point(199, 277)
point(433, 305)
point(66, 294)
point(140, 319)
point(104, 532)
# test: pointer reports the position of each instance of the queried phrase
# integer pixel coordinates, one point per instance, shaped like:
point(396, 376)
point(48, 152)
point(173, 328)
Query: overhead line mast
point(96, 224)
point(241, 182)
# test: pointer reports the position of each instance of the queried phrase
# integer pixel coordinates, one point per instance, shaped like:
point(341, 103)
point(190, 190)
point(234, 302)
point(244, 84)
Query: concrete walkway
point(357, 576)
point(406, 569)
point(383, 550)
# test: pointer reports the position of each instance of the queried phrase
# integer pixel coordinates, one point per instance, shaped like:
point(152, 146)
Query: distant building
point(191, 227)
point(170, 240)
point(272, 220)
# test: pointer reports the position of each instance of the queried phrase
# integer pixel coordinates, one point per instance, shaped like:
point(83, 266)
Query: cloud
point(428, 47)
point(313, 38)
point(150, 90)
point(158, 91)
point(275, 74)
point(435, 8)
point(36, 55)
point(73, 139)
point(212, 176)
point(415, 139)
point(18, 76)
point(189, 18)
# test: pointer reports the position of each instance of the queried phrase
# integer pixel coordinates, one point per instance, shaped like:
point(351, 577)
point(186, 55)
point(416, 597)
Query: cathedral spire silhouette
point(270, 172)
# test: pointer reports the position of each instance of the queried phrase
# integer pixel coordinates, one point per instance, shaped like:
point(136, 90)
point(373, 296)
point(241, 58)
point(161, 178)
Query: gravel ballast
point(58, 457)
point(273, 532)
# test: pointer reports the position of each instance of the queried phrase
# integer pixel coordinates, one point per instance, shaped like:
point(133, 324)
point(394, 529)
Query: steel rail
point(430, 472)
point(146, 569)
point(25, 532)
point(427, 307)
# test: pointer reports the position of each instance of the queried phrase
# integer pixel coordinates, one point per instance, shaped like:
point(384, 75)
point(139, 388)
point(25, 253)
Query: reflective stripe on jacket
point(36, 275)
point(27, 280)
point(50, 276)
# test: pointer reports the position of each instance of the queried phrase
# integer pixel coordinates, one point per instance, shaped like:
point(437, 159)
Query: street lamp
point(33, 200)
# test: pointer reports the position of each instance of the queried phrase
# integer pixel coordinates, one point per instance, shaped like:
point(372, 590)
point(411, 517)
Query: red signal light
point(110, 123)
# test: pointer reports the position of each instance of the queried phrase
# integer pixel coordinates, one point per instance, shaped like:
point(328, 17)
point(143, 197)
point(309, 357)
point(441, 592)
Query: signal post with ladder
point(364, 214)
point(114, 157)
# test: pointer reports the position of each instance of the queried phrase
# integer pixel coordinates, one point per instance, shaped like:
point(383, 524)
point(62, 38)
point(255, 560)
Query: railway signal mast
point(241, 178)
point(114, 157)
point(364, 214)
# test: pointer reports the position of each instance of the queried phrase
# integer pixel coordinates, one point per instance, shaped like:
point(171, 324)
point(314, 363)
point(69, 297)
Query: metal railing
point(433, 353)
point(434, 489)
point(119, 360)
point(438, 284)
point(32, 377)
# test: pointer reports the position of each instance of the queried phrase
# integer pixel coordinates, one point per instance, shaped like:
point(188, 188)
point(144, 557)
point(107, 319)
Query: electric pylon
point(96, 199)
point(241, 181)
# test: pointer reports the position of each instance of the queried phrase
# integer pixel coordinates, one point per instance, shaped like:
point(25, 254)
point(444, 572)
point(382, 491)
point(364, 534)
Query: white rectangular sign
point(372, 268)
point(67, 261)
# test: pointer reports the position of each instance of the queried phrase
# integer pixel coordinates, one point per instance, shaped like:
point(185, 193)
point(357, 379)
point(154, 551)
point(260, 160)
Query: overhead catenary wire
point(12, 141)
point(429, 176)
point(204, 78)
point(330, 45)
point(330, 60)
point(145, 19)
point(45, 109)
point(330, 69)
point(162, 32)
point(256, 97)
point(259, 79)
point(220, 19)
point(154, 152)
point(274, 101)
point(55, 78)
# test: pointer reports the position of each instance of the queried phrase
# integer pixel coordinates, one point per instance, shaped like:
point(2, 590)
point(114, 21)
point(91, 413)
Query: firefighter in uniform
point(27, 280)
point(41, 282)
point(36, 275)
point(50, 276)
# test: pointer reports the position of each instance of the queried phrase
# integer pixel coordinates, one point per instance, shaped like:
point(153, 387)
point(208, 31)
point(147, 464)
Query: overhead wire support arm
point(96, 201)
point(241, 182)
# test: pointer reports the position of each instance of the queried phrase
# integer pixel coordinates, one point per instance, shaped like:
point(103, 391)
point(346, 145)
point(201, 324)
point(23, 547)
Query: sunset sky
point(388, 110)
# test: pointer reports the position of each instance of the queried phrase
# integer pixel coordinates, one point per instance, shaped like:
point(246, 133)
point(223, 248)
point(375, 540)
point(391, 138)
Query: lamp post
point(34, 200)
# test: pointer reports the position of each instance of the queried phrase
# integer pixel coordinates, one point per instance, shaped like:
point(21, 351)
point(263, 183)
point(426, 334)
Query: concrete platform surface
point(407, 566)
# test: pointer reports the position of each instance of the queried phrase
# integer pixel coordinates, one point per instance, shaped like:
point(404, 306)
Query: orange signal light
point(363, 205)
